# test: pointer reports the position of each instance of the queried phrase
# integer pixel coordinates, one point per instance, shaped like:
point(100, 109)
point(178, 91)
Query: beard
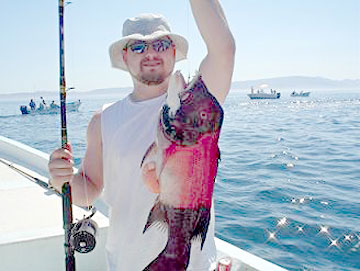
point(151, 79)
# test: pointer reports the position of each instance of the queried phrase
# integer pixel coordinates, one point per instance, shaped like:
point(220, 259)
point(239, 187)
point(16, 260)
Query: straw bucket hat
point(145, 27)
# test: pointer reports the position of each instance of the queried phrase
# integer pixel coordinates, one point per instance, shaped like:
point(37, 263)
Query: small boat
point(52, 109)
point(260, 94)
point(300, 94)
point(32, 227)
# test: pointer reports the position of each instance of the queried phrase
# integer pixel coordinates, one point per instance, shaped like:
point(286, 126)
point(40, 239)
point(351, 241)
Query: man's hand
point(61, 167)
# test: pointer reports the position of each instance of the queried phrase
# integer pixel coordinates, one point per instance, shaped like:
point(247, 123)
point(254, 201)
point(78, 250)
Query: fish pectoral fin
point(151, 148)
point(157, 217)
point(202, 225)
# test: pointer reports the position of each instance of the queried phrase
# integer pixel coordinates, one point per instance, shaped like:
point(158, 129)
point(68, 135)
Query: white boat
point(300, 94)
point(260, 94)
point(55, 109)
point(31, 227)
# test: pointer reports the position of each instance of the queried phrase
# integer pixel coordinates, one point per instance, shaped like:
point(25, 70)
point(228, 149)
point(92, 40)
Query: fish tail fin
point(157, 216)
point(202, 225)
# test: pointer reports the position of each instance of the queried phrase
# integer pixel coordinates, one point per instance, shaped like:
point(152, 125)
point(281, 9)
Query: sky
point(273, 39)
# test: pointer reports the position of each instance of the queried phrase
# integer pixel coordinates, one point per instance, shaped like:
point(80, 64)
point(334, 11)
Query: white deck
point(31, 227)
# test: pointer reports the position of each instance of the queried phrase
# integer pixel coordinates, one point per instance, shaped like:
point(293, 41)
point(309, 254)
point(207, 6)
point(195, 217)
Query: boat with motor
point(32, 234)
point(300, 94)
point(260, 94)
point(52, 109)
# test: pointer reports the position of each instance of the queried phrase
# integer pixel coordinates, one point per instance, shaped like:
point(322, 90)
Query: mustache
point(147, 61)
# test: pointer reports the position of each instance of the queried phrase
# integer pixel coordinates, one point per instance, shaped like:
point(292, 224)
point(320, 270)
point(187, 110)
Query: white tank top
point(128, 129)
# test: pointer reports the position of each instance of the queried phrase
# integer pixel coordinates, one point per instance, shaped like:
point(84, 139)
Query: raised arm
point(218, 65)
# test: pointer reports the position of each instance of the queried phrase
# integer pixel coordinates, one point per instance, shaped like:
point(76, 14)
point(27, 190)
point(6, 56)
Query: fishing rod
point(66, 189)
point(79, 236)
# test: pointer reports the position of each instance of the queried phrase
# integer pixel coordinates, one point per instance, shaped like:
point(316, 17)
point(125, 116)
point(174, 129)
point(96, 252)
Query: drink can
point(224, 264)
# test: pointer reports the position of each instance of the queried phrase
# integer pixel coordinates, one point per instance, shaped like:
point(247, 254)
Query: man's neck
point(143, 92)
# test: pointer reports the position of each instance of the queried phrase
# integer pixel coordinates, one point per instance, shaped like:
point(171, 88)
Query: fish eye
point(203, 115)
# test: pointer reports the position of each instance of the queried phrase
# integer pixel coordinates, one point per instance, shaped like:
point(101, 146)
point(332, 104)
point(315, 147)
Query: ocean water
point(288, 185)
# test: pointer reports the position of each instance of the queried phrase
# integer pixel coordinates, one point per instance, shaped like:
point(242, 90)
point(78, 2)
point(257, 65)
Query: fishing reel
point(83, 234)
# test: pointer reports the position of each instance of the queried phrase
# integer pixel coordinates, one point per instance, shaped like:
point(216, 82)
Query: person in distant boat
point(53, 105)
point(120, 133)
point(32, 104)
point(43, 101)
point(41, 106)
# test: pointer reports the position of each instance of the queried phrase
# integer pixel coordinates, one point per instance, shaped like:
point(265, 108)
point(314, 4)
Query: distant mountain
point(304, 83)
point(73, 93)
point(105, 91)
point(288, 83)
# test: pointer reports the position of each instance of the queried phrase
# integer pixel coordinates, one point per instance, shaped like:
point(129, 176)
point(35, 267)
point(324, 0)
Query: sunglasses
point(141, 46)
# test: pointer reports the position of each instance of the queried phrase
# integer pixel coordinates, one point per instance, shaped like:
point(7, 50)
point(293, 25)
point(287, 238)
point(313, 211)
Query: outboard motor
point(24, 110)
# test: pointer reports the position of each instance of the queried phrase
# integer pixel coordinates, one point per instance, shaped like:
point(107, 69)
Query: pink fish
point(186, 154)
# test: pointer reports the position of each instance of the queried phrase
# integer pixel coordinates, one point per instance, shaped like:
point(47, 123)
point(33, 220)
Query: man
point(53, 105)
point(32, 104)
point(119, 135)
point(43, 101)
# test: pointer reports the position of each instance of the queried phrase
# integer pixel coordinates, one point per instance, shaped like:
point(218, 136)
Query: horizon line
point(127, 87)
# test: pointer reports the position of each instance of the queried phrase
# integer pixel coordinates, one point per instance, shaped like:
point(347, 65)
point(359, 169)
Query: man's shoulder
point(108, 107)
point(95, 122)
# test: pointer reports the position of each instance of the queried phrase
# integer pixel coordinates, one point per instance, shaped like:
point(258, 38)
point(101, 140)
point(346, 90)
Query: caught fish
point(186, 154)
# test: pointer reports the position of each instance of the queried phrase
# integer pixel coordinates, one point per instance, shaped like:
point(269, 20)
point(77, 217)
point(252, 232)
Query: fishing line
point(84, 232)
point(85, 179)
point(188, 35)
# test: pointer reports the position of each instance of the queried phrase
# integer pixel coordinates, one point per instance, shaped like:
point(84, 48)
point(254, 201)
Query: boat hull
point(261, 96)
point(301, 94)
